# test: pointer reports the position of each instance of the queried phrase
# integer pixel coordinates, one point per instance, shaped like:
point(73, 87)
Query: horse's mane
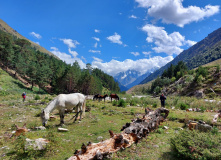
point(51, 105)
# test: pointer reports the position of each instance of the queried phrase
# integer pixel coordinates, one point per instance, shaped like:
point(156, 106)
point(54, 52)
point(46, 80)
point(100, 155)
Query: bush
point(154, 105)
point(196, 145)
point(183, 106)
point(121, 103)
point(37, 97)
point(132, 103)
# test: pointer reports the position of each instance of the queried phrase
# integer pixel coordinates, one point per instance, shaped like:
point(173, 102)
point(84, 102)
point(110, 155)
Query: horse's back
point(70, 99)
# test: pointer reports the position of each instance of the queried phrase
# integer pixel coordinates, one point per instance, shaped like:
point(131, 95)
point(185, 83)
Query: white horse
point(62, 102)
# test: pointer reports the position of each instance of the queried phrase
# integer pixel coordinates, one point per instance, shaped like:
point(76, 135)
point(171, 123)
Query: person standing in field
point(162, 100)
point(23, 96)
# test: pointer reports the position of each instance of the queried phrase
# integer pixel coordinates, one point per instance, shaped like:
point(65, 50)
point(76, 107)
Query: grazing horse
point(95, 97)
point(100, 97)
point(62, 102)
point(114, 96)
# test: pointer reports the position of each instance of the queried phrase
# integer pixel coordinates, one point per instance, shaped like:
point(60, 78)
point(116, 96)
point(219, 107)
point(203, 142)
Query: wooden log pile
point(131, 133)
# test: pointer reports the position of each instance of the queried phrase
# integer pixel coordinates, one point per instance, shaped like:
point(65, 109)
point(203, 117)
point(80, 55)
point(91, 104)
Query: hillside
point(6, 28)
point(188, 85)
point(203, 52)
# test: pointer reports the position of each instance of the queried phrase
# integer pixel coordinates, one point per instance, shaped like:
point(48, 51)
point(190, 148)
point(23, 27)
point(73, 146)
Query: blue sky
point(114, 35)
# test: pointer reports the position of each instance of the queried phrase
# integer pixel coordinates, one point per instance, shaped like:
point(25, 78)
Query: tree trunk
point(131, 133)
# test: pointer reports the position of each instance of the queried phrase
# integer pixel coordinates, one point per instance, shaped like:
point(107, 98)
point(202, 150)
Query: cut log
point(131, 133)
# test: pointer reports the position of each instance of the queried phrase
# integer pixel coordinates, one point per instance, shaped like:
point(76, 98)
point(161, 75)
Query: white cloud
point(135, 53)
point(97, 59)
point(95, 45)
point(166, 43)
point(133, 16)
point(172, 11)
point(142, 65)
point(147, 53)
point(97, 31)
point(67, 58)
point(70, 43)
point(36, 35)
point(97, 39)
point(94, 51)
point(37, 43)
point(116, 38)
point(74, 53)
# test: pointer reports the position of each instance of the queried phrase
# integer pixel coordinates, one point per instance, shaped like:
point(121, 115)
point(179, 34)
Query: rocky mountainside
point(203, 52)
point(6, 28)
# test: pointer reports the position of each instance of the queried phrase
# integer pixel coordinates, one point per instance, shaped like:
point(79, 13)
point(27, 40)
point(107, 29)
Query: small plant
point(37, 97)
point(215, 131)
point(155, 105)
point(132, 103)
point(121, 103)
point(183, 106)
point(202, 108)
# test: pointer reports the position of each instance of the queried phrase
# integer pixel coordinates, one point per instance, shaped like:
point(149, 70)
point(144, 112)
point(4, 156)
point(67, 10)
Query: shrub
point(37, 97)
point(183, 106)
point(196, 145)
point(155, 105)
point(132, 103)
point(121, 103)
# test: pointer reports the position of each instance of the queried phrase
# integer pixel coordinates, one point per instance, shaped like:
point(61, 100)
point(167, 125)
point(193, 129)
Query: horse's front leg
point(61, 113)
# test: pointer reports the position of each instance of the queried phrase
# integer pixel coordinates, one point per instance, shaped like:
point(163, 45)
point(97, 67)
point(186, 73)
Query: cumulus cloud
point(36, 35)
point(37, 43)
point(135, 53)
point(97, 39)
point(67, 57)
point(94, 51)
point(166, 43)
point(97, 31)
point(70, 43)
point(172, 11)
point(142, 65)
point(133, 16)
point(116, 38)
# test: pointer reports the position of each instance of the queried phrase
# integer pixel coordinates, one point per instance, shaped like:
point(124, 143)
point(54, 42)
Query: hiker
point(23, 96)
point(162, 100)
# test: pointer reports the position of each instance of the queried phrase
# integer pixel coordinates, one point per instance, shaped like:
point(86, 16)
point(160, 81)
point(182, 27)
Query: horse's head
point(44, 117)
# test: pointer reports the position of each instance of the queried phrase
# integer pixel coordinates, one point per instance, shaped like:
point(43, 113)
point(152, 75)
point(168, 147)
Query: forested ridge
point(48, 72)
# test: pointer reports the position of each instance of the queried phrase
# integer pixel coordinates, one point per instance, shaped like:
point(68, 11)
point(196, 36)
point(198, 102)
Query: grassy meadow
point(103, 116)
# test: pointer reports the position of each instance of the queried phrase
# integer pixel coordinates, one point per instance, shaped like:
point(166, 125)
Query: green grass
point(102, 118)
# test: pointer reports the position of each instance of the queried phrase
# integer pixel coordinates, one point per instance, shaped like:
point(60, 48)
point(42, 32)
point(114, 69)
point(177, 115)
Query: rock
point(155, 146)
point(99, 138)
point(40, 128)
point(165, 127)
point(199, 94)
point(62, 129)
point(37, 144)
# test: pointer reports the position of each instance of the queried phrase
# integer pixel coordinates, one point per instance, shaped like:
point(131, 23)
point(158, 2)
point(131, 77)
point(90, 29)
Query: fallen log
point(131, 133)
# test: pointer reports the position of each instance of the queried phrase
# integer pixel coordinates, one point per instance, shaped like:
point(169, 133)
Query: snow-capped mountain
point(131, 78)
point(127, 77)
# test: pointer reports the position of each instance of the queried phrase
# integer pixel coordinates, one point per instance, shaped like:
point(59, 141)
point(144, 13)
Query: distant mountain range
point(6, 28)
point(131, 78)
point(203, 52)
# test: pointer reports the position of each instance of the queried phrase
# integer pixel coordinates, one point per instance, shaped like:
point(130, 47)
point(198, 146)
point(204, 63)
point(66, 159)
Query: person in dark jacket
point(162, 100)
point(23, 96)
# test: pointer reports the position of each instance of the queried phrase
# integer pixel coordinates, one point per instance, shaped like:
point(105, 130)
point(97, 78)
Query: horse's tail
point(84, 107)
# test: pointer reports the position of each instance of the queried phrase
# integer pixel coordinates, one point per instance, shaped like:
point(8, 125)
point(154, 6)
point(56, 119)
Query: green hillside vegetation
point(178, 80)
point(6, 28)
point(203, 52)
point(160, 144)
point(48, 72)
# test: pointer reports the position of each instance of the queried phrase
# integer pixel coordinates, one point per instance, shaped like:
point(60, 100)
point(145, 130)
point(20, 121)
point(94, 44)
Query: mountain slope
point(205, 51)
point(6, 28)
